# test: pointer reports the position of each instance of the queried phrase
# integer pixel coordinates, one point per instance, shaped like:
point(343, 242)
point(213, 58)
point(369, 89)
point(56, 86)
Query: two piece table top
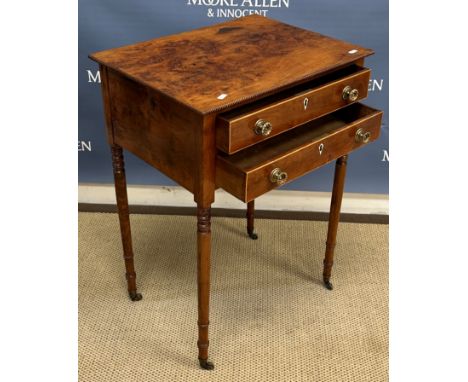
point(219, 67)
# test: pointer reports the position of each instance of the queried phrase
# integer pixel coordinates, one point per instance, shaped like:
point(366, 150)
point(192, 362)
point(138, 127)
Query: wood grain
point(244, 59)
point(154, 128)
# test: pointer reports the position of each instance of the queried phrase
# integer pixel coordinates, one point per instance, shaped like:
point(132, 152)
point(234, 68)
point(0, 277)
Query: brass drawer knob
point(350, 94)
point(277, 176)
point(263, 127)
point(362, 136)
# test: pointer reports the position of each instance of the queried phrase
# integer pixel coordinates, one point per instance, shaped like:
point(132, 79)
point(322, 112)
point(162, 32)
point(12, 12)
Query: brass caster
point(328, 285)
point(205, 364)
point(253, 235)
point(134, 296)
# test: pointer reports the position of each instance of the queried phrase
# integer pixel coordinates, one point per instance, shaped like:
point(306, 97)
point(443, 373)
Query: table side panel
point(205, 144)
point(155, 128)
point(106, 104)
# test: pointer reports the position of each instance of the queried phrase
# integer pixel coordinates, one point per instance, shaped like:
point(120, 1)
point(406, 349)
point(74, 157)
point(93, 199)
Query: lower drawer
point(270, 164)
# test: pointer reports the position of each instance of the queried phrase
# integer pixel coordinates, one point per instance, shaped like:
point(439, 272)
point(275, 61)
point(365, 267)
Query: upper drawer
point(263, 167)
point(251, 124)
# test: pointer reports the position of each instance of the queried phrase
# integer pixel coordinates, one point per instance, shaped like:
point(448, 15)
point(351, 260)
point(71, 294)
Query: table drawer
point(267, 165)
point(249, 125)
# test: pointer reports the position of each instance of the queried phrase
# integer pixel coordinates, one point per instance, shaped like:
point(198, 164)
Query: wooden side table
point(246, 106)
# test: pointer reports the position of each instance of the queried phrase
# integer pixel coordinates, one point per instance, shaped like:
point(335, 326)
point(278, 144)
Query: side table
point(246, 106)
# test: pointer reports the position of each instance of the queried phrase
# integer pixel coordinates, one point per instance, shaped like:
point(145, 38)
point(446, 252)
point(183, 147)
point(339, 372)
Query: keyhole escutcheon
point(321, 147)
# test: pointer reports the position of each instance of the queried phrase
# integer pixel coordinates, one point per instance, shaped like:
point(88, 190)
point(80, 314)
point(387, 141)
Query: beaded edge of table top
point(221, 66)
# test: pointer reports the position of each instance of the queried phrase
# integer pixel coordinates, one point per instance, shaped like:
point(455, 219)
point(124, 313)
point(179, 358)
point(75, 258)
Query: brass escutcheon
point(306, 103)
point(350, 94)
point(263, 127)
point(279, 177)
point(362, 136)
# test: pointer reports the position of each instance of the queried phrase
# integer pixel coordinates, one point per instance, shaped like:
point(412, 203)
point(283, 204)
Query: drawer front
point(265, 168)
point(238, 131)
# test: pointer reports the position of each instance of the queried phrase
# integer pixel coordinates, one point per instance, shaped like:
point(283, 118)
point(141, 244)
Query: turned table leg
point(250, 220)
point(122, 206)
point(337, 196)
point(203, 280)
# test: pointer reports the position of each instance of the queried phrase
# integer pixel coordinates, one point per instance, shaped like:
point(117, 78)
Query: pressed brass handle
point(277, 176)
point(350, 94)
point(362, 136)
point(263, 127)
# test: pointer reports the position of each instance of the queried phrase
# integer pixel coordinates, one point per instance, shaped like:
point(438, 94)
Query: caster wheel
point(205, 364)
point(134, 296)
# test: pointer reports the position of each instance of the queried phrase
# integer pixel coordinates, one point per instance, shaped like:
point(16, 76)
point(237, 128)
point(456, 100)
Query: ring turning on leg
point(124, 219)
point(203, 281)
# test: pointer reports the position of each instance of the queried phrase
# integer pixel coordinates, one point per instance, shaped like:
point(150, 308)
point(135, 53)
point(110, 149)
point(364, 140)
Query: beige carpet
point(271, 318)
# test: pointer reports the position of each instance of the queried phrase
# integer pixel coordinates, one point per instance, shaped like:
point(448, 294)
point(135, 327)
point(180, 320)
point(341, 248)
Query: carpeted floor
point(271, 319)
